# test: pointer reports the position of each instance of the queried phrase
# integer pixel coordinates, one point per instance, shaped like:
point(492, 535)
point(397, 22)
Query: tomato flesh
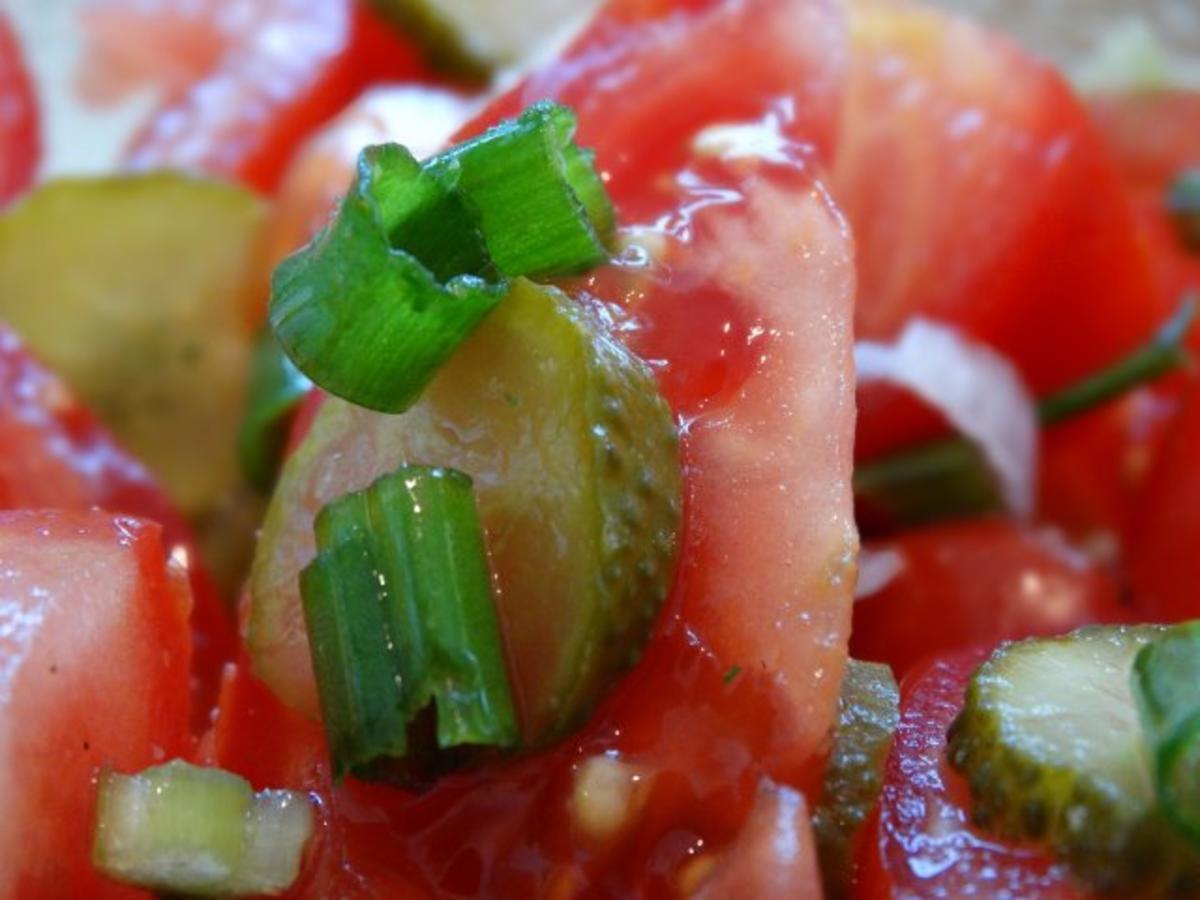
point(266, 75)
point(20, 135)
point(981, 195)
point(95, 642)
point(922, 843)
point(56, 454)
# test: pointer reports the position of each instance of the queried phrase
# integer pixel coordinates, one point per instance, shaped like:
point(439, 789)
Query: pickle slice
point(574, 456)
point(1050, 744)
point(867, 720)
point(134, 289)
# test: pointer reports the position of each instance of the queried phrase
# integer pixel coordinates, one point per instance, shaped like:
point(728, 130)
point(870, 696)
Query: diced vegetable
point(1050, 743)
point(1183, 203)
point(20, 132)
point(575, 460)
point(870, 711)
point(378, 301)
point(1166, 685)
point(132, 288)
point(399, 614)
point(949, 478)
point(276, 389)
point(194, 830)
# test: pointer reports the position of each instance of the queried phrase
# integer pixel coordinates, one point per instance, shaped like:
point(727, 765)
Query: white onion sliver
point(876, 569)
point(975, 388)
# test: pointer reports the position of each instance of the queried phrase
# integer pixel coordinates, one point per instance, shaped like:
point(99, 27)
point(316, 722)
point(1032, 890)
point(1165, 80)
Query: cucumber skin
point(1116, 850)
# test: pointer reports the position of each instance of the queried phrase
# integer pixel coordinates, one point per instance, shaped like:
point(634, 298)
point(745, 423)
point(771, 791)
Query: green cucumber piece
point(867, 719)
point(575, 461)
point(1050, 743)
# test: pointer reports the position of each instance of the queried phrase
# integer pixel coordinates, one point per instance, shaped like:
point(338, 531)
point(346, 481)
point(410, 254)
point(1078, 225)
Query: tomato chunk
point(923, 843)
point(95, 648)
point(20, 135)
point(981, 195)
point(55, 453)
point(269, 74)
point(956, 585)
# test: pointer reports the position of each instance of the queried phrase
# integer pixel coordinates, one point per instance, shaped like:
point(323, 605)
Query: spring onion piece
point(186, 829)
point(949, 478)
point(276, 389)
point(1183, 203)
point(369, 321)
point(542, 206)
point(1166, 685)
point(401, 626)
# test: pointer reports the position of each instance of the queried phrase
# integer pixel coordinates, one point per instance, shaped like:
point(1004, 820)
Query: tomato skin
point(20, 133)
point(1164, 566)
point(977, 582)
point(55, 453)
point(278, 78)
point(920, 843)
point(971, 174)
point(75, 699)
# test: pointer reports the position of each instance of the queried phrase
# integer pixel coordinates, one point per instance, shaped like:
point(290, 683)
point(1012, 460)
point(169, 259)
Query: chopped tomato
point(956, 585)
point(55, 453)
point(266, 75)
point(1164, 562)
point(981, 195)
point(95, 647)
point(921, 842)
point(20, 137)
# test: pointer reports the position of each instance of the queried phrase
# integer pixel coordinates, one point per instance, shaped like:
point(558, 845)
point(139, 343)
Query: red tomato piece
point(269, 74)
point(20, 135)
point(972, 583)
point(1164, 562)
point(981, 195)
point(921, 842)
point(95, 650)
point(55, 453)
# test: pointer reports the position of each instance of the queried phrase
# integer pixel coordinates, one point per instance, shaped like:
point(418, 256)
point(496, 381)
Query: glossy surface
point(247, 81)
point(923, 843)
point(970, 172)
point(57, 455)
point(95, 648)
point(981, 582)
point(20, 136)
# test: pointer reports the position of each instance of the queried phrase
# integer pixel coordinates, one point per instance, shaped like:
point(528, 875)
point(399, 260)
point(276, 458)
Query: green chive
point(419, 253)
point(187, 829)
point(542, 206)
point(1183, 204)
point(400, 620)
point(950, 478)
point(276, 389)
point(1166, 685)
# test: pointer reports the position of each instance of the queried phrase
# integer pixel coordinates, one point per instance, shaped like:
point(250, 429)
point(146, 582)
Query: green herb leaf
point(399, 613)
point(1166, 684)
point(1183, 203)
point(276, 389)
point(950, 478)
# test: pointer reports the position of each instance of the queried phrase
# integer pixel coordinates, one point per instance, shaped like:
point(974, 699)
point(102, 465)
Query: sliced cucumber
point(134, 289)
point(870, 712)
point(1050, 743)
point(574, 456)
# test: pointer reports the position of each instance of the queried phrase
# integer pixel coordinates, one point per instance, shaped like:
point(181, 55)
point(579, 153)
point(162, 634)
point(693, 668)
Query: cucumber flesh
point(1050, 744)
point(574, 457)
point(869, 714)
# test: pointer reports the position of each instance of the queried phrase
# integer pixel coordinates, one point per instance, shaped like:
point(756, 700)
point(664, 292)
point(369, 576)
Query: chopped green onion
point(542, 206)
point(276, 389)
point(1183, 203)
point(187, 829)
point(419, 253)
point(400, 621)
point(1166, 684)
point(949, 478)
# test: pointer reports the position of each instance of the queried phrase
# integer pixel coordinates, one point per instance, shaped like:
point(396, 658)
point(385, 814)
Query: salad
point(660, 448)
